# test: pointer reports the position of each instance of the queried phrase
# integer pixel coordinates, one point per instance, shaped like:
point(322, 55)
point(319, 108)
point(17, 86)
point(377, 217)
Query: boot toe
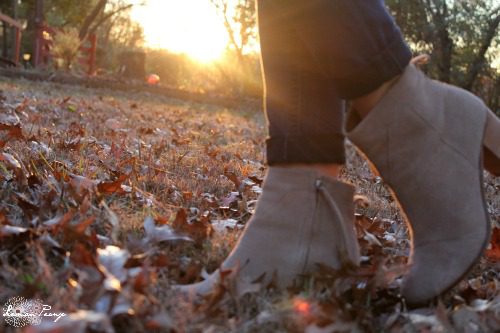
point(438, 266)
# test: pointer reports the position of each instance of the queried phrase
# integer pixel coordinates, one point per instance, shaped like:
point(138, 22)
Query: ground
point(109, 198)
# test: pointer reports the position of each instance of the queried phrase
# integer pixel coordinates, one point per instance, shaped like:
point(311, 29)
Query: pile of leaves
point(107, 200)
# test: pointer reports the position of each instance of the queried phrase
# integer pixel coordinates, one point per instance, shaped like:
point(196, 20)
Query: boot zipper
point(318, 184)
point(342, 246)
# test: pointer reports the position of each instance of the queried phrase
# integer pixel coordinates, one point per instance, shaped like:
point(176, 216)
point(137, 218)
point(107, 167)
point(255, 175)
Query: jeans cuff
point(311, 149)
point(379, 69)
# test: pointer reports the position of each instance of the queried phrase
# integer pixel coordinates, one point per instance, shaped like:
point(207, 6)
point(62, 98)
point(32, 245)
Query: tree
point(87, 17)
point(91, 17)
point(453, 32)
point(67, 14)
point(116, 8)
point(5, 8)
point(482, 25)
point(459, 35)
point(240, 23)
point(117, 35)
point(66, 46)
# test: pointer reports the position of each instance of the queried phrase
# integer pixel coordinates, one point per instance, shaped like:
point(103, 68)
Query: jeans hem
point(311, 149)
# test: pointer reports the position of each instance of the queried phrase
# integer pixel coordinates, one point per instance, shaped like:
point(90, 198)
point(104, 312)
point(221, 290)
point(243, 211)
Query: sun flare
point(183, 26)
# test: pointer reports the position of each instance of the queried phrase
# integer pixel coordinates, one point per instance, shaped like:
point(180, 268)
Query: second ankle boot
point(425, 139)
point(302, 218)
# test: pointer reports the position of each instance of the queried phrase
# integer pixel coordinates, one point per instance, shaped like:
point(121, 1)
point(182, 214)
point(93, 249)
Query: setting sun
point(183, 26)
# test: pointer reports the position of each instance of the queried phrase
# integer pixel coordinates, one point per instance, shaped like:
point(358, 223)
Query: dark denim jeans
point(315, 53)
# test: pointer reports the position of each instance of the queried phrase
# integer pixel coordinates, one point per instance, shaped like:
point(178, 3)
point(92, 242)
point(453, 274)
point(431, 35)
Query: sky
point(183, 26)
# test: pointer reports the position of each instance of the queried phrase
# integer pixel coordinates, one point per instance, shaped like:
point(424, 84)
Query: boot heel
point(491, 143)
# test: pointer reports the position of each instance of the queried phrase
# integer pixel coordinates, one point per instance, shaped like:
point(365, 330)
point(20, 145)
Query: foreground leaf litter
point(107, 199)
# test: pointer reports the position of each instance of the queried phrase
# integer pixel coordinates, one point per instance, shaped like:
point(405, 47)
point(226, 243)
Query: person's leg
point(305, 114)
point(354, 47)
point(425, 138)
point(355, 43)
point(304, 215)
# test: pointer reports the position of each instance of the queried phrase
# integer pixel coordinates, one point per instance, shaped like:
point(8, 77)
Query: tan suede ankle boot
point(302, 218)
point(425, 139)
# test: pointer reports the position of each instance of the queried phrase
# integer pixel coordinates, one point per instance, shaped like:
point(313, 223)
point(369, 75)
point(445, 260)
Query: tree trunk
point(14, 7)
point(478, 62)
point(99, 7)
point(495, 97)
point(445, 45)
point(38, 20)
point(5, 40)
point(14, 16)
point(107, 17)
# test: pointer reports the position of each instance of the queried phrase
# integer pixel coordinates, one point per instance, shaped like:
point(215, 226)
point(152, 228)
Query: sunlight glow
point(183, 26)
point(301, 306)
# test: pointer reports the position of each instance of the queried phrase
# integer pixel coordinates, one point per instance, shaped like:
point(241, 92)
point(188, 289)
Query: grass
point(94, 165)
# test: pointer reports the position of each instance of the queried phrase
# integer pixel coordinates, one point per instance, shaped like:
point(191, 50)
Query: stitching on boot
point(442, 139)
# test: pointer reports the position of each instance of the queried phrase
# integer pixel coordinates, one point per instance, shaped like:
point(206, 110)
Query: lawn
point(109, 198)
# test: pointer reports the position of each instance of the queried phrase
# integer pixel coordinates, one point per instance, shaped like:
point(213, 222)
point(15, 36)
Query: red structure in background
point(17, 28)
point(88, 52)
point(44, 42)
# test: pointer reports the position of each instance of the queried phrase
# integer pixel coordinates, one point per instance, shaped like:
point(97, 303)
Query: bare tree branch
point(99, 7)
point(222, 7)
point(107, 16)
point(479, 60)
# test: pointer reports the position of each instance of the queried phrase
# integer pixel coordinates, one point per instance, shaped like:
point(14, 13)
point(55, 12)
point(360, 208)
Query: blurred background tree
point(7, 35)
point(241, 67)
point(117, 34)
point(109, 19)
point(462, 37)
point(65, 48)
